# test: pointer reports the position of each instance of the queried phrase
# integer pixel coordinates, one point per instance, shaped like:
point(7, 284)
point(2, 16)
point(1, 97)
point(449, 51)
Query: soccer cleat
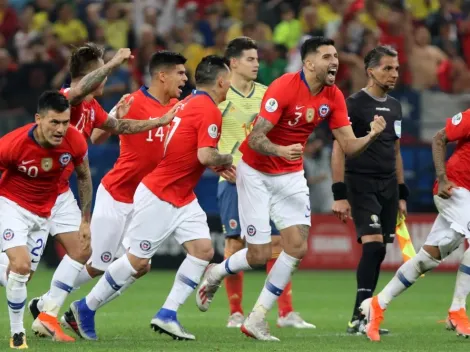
point(18, 341)
point(235, 320)
point(46, 325)
point(68, 322)
point(257, 327)
point(458, 321)
point(207, 289)
point(374, 317)
point(294, 320)
point(358, 327)
point(33, 307)
point(166, 322)
point(85, 319)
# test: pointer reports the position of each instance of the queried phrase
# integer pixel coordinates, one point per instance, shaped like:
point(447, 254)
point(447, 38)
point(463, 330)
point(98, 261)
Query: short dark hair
point(165, 58)
point(83, 57)
point(209, 68)
point(236, 47)
point(312, 44)
point(52, 100)
point(373, 57)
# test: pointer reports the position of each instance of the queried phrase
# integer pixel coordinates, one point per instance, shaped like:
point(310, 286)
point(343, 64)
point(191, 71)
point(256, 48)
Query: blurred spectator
point(25, 33)
point(273, 64)
point(260, 31)
point(115, 25)
point(288, 31)
point(7, 80)
point(318, 174)
point(8, 20)
point(70, 30)
point(43, 9)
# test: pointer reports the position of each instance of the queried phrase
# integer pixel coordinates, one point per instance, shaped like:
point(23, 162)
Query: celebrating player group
point(252, 136)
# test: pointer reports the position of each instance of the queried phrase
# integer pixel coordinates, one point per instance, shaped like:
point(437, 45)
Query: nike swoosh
point(299, 107)
point(52, 333)
point(34, 261)
point(27, 162)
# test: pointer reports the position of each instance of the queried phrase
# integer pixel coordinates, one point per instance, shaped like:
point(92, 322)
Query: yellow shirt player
point(239, 111)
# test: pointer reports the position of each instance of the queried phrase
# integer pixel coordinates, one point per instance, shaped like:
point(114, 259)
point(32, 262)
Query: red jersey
point(295, 113)
point(139, 153)
point(458, 166)
point(197, 125)
point(32, 172)
point(85, 117)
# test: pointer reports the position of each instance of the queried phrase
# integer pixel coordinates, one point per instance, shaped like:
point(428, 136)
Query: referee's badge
point(310, 115)
point(397, 126)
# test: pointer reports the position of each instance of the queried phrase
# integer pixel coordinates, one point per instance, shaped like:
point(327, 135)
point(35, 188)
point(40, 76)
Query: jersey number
point(298, 115)
point(158, 134)
point(31, 171)
point(176, 122)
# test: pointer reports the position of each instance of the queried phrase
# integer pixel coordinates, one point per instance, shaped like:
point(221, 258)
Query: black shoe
point(358, 327)
point(18, 341)
point(68, 322)
point(33, 307)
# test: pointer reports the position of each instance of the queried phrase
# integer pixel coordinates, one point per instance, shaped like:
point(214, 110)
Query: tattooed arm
point(209, 156)
point(258, 141)
point(85, 189)
point(116, 126)
point(439, 149)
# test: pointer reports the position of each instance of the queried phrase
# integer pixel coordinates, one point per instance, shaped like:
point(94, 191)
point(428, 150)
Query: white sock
point(406, 276)
point(114, 278)
point(82, 278)
point(16, 298)
point(462, 284)
point(278, 278)
point(187, 278)
point(61, 285)
point(119, 292)
point(235, 263)
point(3, 275)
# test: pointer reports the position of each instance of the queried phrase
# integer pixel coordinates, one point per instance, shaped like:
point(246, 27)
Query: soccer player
point(239, 111)
point(139, 155)
point(451, 227)
point(374, 184)
point(270, 177)
point(88, 77)
point(34, 158)
point(165, 205)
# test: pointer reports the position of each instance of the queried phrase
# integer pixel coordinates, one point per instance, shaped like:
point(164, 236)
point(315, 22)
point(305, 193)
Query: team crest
point(310, 115)
point(233, 224)
point(145, 246)
point(8, 234)
point(46, 164)
point(106, 257)
point(92, 114)
point(324, 110)
point(251, 230)
point(65, 159)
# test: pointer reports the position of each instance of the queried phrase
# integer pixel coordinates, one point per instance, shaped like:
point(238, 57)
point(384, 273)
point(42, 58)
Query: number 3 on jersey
point(158, 133)
point(298, 115)
point(174, 125)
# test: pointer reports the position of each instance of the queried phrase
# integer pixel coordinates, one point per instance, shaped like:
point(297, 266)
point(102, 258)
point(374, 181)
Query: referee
point(372, 186)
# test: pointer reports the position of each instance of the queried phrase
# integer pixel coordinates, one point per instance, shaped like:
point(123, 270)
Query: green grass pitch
point(324, 298)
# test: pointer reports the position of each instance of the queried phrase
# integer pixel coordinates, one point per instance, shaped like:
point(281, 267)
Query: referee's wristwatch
point(403, 191)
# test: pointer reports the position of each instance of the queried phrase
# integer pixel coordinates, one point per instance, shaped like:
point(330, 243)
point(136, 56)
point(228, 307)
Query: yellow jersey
point(238, 115)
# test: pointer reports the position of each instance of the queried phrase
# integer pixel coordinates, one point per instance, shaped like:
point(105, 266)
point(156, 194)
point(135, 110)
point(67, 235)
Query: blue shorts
point(227, 198)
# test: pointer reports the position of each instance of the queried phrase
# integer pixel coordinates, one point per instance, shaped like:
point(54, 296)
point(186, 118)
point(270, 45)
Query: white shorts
point(154, 220)
point(108, 226)
point(282, 198)
point(65, 215)
point(452, 225)
point(20, 227)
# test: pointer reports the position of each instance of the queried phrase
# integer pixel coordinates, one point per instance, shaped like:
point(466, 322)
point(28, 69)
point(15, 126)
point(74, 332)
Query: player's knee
point(92, 271)
point(80, 255)
point(259, 254)
point(425, 261)
point(22, 267)
point(201, 249)
point(142, 272)
point(233, 245)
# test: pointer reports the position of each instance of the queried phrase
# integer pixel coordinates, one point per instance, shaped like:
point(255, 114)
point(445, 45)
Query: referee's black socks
point(373, 254)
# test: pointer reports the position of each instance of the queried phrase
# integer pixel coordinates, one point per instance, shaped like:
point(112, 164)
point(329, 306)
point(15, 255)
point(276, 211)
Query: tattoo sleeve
point(88, 84)
point(257, 139)
point(439, 149)
point(211, 157)
point(116, 126)
point(85, 189)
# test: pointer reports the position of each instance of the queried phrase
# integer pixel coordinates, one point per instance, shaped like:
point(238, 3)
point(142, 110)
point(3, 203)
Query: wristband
point(403, 191)
point(340, 191)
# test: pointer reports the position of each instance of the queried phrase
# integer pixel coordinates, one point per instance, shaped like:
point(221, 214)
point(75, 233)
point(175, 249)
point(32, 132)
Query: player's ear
point(37, 117)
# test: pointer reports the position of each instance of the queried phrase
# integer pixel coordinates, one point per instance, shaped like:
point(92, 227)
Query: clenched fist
point(377, 126)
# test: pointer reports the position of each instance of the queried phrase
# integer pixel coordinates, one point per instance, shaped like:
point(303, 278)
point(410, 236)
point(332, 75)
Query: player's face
point(387, 72)
point(53, 126)
point(174, 80)
point(224, 82)
point(324, 62)
point(247, 64)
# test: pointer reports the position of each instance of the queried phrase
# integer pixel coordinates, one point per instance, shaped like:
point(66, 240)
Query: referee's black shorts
point(374, 205)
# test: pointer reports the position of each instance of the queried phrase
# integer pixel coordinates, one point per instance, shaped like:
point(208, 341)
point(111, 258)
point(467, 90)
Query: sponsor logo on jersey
point(271, 105)
point(65, 159)
point(8, 234)
point(46, 164)
point(213, 131)
point(456, 119)
point(397, 127)
point(324, 110)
